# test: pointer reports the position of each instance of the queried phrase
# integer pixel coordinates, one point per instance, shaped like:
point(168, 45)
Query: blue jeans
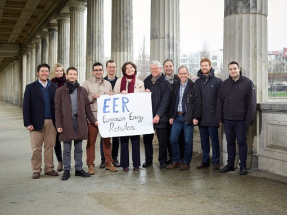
point(177, 126)
point(205, 133)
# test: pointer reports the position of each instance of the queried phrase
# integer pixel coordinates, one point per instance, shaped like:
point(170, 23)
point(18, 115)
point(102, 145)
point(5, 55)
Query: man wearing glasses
point(112, 78)
point(95, 87)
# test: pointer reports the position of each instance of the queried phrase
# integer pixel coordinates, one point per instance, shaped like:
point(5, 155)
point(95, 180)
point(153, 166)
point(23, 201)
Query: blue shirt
point(181, 91)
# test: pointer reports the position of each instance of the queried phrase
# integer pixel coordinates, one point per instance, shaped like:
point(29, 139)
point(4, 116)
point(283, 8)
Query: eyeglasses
point(98, 70)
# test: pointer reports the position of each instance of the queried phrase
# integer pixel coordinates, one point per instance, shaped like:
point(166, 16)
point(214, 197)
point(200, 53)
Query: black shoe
point(169, 161)
point(145, 164)
point(82, 173)
point(243, 171)
point(103, 164)
point(227, 168)
point(66, 175)
point(116, 163)
point(162, 166)
point(203, 165)
point(216, 166)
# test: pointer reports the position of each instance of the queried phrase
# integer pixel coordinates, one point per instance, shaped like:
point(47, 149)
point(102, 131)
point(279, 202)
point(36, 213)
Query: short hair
point(54, 68)
point(42, 65)
point(71, 68)
point(205, 60)
point(167, 61)
point(97, 64)
point(155, 62)
point(110, 61)
point(234, 62)
point(182, 67)
point(125, 65)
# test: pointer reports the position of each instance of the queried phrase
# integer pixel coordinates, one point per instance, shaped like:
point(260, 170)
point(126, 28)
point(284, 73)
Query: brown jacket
point(93, 87)
point(139, 86)
point(63, 114)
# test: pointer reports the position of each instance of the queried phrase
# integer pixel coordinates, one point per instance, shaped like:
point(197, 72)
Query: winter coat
point(92, 87)
point(191, 102)
point(34, 105)
point(160, 96)
point(209, 87)
point(63, 114)
point(139, 86)
point(237, 101)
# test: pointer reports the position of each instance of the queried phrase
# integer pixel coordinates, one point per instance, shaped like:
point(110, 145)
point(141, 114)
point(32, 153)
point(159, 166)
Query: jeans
point(177, 126)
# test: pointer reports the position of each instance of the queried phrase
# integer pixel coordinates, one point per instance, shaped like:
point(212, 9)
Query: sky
point(200, 21)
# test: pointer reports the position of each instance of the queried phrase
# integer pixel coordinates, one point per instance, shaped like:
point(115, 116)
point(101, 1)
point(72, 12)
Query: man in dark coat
point(184, 113)
point(160, 89)
point(209, 86)
point(71, 110)
point(236, 108)
point(39, 119)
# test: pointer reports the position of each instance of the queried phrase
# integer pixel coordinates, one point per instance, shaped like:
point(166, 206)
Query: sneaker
point(36, 175)
point(227, 168)
point(60, 167)
point(102, 165)
point(51, 173)
point(116, 163)
point(91, 170)
point(111, 168)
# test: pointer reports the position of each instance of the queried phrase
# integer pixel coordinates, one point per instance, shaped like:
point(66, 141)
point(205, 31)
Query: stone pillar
point(53, 44)
point(165, 31)
point(38, 51)
point(77, 41)
point(44, 46)
point(28, 65)
point(95, 34)
point(63, 39)
point(24, 70)
point(245, 41)
point(16, 82)
point(32, 66)
point(122, 33)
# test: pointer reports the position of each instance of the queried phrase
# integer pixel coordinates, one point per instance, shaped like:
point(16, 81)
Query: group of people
point(61, 110)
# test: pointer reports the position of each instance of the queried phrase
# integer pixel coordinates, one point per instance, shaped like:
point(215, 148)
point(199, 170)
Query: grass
point(278, 94)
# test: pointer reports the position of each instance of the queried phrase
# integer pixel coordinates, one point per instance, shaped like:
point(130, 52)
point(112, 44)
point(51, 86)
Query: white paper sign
point(125, 115)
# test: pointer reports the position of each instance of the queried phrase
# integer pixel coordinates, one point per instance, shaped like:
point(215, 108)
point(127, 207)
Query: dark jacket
point(237, 101)
point(209, 87)
point(34, 105)
point(113, 82)
point(63, 113)
point(191, 101)
point(160, 94)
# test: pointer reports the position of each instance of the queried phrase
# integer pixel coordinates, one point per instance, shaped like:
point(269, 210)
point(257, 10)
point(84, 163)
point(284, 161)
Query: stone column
point(63, 39)
point(77, 42)
point(45, 46)
point(16, 82)
point(122, 33)
point(245, 41)
point(95, 34)
point(165, 31)
point(38, 51)
point(28, 65)
point(53, 44)
point(24, 70)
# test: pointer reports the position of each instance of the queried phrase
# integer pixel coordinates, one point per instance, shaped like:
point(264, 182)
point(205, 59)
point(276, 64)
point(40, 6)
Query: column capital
point(30, 46)
point(245, 7)
point(77, 5)
point(37, 40)
point(44, 34)
point(63, 18)
point(51, 27)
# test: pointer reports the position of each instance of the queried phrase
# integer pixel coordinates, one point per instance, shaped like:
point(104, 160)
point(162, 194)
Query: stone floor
point(148, 191)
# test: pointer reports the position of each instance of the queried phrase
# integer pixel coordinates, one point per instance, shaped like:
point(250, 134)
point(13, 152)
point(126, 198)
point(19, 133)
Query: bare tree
point(276, 73)
point(143, 62)
point(204, 53)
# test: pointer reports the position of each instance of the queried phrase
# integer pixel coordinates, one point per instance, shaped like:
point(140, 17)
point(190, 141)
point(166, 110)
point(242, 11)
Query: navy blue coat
point(209, 87)
point(160, 99)
point(34, 105)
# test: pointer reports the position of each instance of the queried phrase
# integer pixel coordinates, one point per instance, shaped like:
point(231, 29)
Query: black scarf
point(72, 86)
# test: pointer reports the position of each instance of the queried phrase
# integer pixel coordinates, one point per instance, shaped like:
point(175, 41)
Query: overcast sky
point(199, 21)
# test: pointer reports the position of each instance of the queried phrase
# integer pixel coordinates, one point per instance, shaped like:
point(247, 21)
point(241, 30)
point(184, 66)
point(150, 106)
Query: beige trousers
point(47, 136)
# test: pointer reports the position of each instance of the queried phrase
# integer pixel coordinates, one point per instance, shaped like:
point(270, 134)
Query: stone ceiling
point(20, 20)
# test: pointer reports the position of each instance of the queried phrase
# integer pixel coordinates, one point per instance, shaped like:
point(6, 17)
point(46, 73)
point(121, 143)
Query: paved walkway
point(149, 191)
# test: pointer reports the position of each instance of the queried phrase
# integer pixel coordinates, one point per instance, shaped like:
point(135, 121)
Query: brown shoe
point(216, 166)
point(173, 165)
point(111, 168)
point(184, 166)
point(91, 170)
point(36, 175)
point(203, 165)
point(60, 167)
point(51, 173)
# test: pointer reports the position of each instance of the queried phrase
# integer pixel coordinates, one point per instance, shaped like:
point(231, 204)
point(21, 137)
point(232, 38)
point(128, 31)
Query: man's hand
point(95, 96)
point(60, 130)
point(195, 121)
point(147, 90)
point(30, 128)
point(97, 123)
point(155, 119)
point(124, 92)
point(171, 121)
point(111, 93)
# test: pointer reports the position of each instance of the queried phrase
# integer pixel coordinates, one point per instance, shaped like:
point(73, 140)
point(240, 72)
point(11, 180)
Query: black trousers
point(125, 151)
point(181, 143)
point(162, 139)
point(58, 149)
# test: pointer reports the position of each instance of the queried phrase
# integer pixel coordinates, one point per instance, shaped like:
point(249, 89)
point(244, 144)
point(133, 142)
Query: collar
point(43, 85)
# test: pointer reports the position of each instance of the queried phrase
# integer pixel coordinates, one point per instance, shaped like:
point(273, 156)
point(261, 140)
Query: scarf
point(154, 79)
point(131, 85)
point(170, 78)
point(59, 81)
point(72, 86)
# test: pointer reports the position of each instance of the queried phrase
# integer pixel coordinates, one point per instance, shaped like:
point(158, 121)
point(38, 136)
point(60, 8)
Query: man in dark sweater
point(112, 78)
point(39, 119)
point(236, 108)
